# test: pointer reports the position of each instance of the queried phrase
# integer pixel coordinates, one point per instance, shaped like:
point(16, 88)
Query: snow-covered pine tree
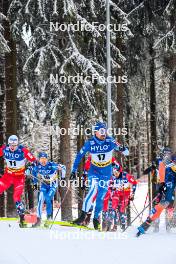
point(4, 48)
point(67, 53)
point(9, 50)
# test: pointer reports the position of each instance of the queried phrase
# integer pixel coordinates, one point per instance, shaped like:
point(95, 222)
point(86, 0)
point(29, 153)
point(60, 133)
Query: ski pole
point(68, 189)
point(145, 203)
point(136, 210)
point(141, 212)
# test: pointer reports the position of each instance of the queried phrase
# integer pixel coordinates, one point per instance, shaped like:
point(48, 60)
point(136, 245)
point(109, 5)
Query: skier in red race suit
point(119, 193)
point(15, 156)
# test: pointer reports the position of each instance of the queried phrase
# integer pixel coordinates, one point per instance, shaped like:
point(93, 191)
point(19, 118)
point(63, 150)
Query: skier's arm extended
point(131, 180)
point(28, 155)
point(121, 148)
point(80, 155)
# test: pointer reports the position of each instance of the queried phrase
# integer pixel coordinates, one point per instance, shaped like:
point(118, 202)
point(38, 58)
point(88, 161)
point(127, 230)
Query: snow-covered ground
point(70, 245)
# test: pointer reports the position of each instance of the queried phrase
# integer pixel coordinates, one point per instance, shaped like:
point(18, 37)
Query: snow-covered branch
point(133, 10)
point(169, 33)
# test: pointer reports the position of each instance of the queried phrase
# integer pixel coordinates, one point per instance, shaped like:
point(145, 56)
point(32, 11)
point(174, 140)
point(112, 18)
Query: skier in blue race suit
point(47, 173)
point(167, 189)
point(100, 147)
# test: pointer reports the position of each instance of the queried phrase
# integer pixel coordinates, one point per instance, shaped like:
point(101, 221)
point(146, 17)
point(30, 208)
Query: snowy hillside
point(67, 245)
point(74, 246)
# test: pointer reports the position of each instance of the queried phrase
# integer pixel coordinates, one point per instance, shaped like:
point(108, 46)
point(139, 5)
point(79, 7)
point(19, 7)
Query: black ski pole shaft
point(141, 213)
point(135, 207)
point(136, 210)
point(59, 207)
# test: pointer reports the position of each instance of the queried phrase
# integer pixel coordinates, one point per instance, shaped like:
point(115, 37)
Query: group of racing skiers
point(110, 187)
point(42, 171)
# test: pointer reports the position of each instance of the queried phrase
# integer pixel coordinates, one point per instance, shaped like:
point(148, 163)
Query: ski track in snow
point(74, 246)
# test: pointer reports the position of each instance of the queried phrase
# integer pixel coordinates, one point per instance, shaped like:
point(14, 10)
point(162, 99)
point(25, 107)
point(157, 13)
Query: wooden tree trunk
point(29, 194)
point(119, 95)
point(172, 107)
point(172, 89)
point(119, 90)
point(2, 96)
point(80, 143)
point(153, 114)
point(65, 156)
point(10, 96)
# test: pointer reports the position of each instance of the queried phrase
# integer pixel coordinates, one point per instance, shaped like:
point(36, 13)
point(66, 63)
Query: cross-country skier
point(167, 190)
point(15, 156)
point(101, 147)
point(120, 193)
point(84, 180)
point(46, 173)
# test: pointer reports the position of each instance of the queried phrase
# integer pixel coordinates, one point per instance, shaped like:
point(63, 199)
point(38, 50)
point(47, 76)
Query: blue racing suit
point(48, 175)
point(170, 183)
point(100, 169)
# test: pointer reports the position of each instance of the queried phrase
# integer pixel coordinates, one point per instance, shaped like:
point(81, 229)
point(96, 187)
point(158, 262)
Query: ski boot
point(104, 226)
point(38, 223)
point(111, 219)
point(116, 221)
point(104, 221)
point(114, 229)
point(47, 222)
point(123, 220)
point(144, 227)
point(96, 224)
point(87, 219)
point(22, 223)
point(20, 212)
point(80, 220)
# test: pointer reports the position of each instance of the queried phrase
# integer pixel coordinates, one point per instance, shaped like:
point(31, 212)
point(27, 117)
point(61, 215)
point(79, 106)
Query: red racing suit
point(14, 170)
point(120, 191)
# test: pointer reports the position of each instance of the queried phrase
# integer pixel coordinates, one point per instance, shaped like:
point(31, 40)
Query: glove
point(124, 150)
point(35, 187)
point(162, 188)
point(72, 176)
point(83, 181)
point(132, 197)
point(34, 163)
point(158, 199)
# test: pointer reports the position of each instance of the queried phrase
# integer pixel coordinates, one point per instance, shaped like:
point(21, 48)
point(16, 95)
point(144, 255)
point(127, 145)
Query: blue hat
point(100, 125)
point(43, 155)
